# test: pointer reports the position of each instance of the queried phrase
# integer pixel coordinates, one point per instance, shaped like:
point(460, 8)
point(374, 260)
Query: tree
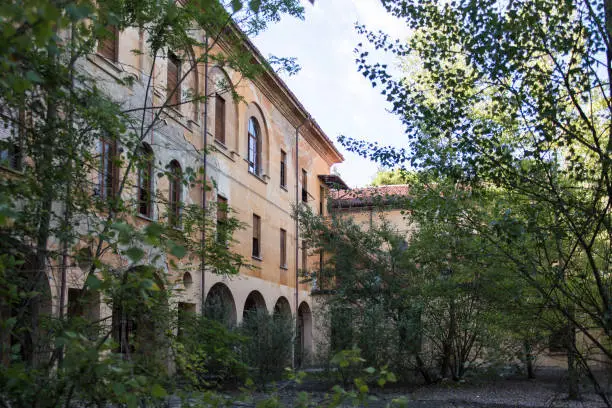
point(516, 94)
point(64, 125)
point(439, 298)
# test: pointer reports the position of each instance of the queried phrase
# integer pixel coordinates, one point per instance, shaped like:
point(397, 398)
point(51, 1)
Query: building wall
point(182, 135)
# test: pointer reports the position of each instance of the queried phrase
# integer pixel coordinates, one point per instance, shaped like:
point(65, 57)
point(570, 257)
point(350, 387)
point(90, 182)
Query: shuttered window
point(174, 72)
point(220, 119)
point(283, 248)
point(108, 47)
point(256, 236)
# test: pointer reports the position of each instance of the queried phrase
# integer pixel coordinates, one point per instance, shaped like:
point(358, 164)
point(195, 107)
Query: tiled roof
point(366, 196)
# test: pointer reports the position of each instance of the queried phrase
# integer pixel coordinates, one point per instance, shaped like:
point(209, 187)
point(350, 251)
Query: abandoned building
point(265, 154)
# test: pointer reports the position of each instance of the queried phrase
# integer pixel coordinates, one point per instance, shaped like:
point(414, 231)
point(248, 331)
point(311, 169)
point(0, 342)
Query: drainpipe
point(205, 155)
point(297, 236)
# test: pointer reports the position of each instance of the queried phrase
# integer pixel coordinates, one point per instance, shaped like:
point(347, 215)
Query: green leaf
point(236, 5)
point(93, 282)
point(370, 370)
point(135, 254)
point(178, 251)
point(158, 391)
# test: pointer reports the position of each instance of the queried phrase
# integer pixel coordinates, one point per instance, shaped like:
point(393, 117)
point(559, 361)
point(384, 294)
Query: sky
point(338, 97)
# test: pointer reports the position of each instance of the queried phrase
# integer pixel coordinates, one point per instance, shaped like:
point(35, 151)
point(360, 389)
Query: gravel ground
point(548, 390)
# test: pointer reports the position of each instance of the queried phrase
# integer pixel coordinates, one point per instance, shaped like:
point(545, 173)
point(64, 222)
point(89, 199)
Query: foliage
point(392, 177)
point(207, 353)
point(516, 95)
point(268, 347)
point(58, 213)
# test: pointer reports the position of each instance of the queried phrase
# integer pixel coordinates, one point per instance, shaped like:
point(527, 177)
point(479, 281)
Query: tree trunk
point(572, 371)
point(529, 357)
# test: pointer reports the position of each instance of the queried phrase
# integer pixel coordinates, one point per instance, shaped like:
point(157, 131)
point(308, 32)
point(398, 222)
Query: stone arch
point(304, 338)
point(135, 328)
point(254, 302)
point(255, 111)
point(32, 306)
point(220, 304)
point(282, 307)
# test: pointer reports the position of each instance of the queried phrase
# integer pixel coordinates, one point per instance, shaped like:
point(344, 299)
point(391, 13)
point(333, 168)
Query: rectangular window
point(283, 169)
point(174, 75)
point(219, 119)
point(256, 236)
point(221, 219)
point(109, 46)
point(108, 170)
point(304, 186)
point(283, 248)
point(321, 200)
point(304, 257)
point(11, 147)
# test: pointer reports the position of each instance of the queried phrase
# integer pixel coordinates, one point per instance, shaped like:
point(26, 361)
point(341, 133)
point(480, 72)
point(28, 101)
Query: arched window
point(176, 192)
point(254, 147)
point(145, 181)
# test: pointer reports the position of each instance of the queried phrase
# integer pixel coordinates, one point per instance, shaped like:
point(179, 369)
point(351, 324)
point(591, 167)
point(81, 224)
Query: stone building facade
point(264, 155)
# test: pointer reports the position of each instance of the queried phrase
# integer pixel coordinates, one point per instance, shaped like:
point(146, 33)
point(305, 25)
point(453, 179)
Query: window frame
point(304, 186)
point(103, 45)
point(108, 171)
point(222, 213)
point(254, 146)
point(175, 193)
point(283, 169)
point(256, 242)
point(220, 116)
point(145, 176)
point(283, 248)
point(174, 99)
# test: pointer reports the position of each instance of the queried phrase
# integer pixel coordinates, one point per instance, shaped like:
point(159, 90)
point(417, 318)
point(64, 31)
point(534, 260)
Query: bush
point(207, 353)
point(268, 349)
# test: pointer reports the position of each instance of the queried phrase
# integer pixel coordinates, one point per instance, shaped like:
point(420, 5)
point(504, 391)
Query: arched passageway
point(220, 305)
point(30, 304)
point(254, 303)
point(282, 308)
point(304, 338)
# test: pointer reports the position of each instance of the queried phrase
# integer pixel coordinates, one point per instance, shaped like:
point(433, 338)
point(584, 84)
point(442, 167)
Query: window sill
point(257, 258)
point(284, 188)
point(221, 148)
point(144, 217)
point(284, 267)
point(110, 67)
point(18, 172)
point(258, 177)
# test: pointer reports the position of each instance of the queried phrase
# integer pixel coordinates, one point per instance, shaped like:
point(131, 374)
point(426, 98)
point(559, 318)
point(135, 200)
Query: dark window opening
point(176, 192)
point(304, 186)
point(145, 182)
point(283, 169)
point(256, 236)
point(220, 119)
point(283, 248)
point(108, 172)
